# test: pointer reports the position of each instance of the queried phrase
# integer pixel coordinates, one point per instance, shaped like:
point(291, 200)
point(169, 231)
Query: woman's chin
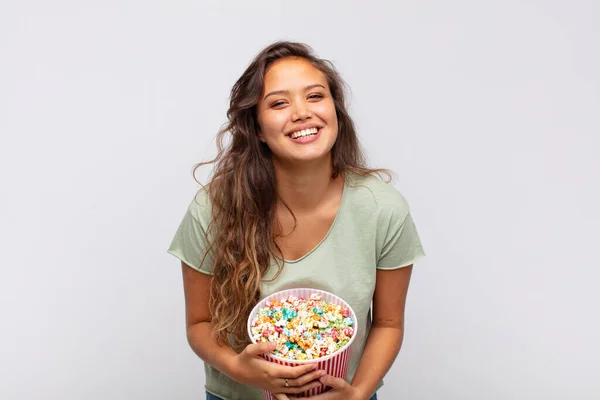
point(312, 158)
point(305, 158)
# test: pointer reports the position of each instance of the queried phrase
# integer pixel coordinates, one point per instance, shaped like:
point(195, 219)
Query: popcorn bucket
point(335, 364)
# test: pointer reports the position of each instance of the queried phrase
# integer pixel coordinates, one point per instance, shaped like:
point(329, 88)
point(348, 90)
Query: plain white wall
point(488, 112)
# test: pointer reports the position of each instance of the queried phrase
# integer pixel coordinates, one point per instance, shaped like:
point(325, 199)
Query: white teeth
point(304, 132)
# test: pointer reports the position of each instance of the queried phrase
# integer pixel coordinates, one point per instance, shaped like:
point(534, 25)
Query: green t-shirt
point(373, 229)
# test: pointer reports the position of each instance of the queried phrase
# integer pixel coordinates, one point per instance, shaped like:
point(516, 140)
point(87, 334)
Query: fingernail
point(272, 345)
point(322, 379)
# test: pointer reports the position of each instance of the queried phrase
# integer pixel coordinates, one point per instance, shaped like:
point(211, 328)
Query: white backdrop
point(487, 110)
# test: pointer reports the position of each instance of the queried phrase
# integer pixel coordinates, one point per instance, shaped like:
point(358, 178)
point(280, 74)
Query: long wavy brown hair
point(243, 193)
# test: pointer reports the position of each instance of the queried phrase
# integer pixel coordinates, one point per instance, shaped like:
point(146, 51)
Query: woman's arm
point(385, 337)
point(245, 367)
point(196, 287)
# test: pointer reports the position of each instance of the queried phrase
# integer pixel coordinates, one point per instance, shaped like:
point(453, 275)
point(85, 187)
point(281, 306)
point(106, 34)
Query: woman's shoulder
point(201, 207)
point(375, 191)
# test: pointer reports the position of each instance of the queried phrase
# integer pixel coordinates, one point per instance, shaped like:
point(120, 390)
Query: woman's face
point(296, 112)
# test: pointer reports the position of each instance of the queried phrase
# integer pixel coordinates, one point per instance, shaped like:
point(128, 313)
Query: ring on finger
point(286, 383)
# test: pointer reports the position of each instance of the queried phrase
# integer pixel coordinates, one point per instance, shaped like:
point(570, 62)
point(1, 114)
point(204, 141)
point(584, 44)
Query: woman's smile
point(305, 137)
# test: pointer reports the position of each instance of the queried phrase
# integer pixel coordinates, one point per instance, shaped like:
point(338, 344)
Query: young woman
point(291, 203)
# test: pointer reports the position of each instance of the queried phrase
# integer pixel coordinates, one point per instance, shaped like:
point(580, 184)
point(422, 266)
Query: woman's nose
point(301, 111)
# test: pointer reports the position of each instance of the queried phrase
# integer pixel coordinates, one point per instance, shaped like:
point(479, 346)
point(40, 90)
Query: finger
point(306, 378)
point(260, 348)
point(284, 396)
point(301, 389)
point(296, 372)
point(332, 381)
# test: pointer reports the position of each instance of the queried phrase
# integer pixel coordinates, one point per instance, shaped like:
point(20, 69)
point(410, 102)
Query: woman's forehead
point(292, 74)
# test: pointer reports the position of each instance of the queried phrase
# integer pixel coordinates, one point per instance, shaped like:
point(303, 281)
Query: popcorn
point(304, 329)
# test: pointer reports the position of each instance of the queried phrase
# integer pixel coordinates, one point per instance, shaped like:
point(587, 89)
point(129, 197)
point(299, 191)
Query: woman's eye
point(315, 96)
point(277, 103)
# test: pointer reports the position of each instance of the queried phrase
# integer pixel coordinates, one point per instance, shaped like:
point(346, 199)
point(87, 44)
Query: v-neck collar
point(331, 228)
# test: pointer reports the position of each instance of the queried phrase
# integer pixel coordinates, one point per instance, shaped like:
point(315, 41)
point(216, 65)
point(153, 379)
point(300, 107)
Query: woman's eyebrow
point(287, 91)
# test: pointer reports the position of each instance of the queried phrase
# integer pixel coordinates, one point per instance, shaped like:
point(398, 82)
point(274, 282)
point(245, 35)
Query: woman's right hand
point(253, 370)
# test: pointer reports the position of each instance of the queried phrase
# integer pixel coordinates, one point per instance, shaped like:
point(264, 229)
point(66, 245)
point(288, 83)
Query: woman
point(292, 204)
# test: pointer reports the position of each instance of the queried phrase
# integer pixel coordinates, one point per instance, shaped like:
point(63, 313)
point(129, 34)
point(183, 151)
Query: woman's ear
point(258, 130)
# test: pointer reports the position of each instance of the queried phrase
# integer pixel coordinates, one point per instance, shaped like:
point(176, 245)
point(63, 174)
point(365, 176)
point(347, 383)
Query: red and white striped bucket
point(335, 364)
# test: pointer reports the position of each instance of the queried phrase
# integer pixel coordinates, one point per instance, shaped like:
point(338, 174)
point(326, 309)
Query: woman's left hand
point(340, 390)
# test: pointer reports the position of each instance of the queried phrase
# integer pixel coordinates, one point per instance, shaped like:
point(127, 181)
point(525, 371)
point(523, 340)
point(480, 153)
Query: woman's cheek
point(278, 120)
point(326, 110)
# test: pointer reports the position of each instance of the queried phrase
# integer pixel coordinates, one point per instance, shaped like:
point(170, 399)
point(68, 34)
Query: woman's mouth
point(305, 135)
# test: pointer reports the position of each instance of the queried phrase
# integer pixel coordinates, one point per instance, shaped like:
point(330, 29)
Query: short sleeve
point(190, 243)
point(401, 245)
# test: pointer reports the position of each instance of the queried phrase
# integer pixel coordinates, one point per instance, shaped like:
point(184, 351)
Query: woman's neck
point(306, 187)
